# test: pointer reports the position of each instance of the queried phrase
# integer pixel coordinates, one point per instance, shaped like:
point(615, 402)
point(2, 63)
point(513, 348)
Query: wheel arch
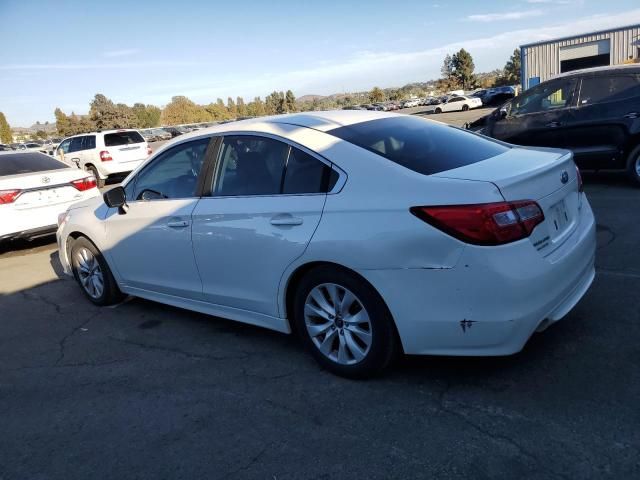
point(632, 143)
point(300, 271)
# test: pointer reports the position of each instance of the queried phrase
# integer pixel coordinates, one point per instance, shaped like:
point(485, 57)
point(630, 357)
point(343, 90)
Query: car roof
point(629, 68)
point(322, 121)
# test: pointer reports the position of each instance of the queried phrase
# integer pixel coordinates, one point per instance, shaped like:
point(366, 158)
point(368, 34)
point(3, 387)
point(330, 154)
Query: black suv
point(595, 113)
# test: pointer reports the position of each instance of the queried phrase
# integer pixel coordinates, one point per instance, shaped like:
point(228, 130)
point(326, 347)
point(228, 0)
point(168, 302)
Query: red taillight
point(84, 183)
point(485, 223)
point(149, 151)
point(580, 184)
point(105, 156)
point(8, 196)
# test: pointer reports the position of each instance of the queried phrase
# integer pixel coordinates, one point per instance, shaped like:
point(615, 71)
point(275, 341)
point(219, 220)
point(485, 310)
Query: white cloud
point(121, 53)
point(498, 17)
point(366, 69)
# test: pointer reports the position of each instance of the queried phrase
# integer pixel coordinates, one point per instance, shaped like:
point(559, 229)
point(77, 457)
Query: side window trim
point(205, 167)
point(211, 184)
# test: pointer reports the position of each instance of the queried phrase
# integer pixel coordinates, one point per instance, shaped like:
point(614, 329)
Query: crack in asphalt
point(495, 436)
point(177, 351)
point(62, 343)
point(36, 296)
point(250, 463)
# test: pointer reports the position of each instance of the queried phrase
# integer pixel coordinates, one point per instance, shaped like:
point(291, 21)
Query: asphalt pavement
point(143, 390)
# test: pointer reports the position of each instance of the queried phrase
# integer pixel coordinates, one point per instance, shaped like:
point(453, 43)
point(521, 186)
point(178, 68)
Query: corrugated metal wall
point(543, 60)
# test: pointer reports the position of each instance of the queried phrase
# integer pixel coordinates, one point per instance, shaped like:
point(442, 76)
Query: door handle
point(284, 220)
point(553, 124)
point(178, 224)
point(632, 115)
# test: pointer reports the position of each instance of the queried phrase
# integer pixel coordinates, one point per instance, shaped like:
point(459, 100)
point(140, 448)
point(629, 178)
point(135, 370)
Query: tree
point(182, 110)
point(104, 113)
point(256, 108)
point(275, 103)
point(62, 122)
point(290, 101)
point(146, 116)
point(217, 110)
point(512, 68)
point(241, 107)
point(5, 130)
point(463, 68)
point(447, 68)
point(231, 107)
point(376, 95)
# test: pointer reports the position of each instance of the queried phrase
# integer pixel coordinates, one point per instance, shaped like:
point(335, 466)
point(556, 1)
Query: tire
point(90, 270)
point(346, 341)
point(438, 110)
point(94, 171)
point(465, 108)
point(633, 165)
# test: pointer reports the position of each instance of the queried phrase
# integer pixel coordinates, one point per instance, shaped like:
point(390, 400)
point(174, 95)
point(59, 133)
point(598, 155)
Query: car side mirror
point(504, 112)
point(116, 198)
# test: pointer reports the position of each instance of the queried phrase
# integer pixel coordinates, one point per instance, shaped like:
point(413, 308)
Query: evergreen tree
point(5, 130)
point(290, 101)
point(463, 68)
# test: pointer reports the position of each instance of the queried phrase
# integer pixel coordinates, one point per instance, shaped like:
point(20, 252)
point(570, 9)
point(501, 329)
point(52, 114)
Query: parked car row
point(167, 133)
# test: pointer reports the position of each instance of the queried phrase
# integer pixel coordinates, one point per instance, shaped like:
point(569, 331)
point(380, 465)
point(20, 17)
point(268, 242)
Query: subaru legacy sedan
point(366, 233)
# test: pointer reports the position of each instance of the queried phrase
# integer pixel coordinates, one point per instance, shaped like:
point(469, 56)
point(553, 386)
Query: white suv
point(105, 153)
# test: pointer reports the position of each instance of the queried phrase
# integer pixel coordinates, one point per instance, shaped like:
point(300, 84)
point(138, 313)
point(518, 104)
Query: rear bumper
point(493, 300)
point(30, 233)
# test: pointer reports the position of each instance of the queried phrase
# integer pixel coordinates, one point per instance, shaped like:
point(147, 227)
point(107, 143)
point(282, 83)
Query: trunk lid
point(43, 189)
point(548, 176)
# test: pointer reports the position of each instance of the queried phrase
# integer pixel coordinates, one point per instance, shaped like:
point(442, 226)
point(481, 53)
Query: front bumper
point(493, 300)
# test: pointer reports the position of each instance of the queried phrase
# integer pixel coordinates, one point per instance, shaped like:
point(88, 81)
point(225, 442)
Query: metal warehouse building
point(543, 60)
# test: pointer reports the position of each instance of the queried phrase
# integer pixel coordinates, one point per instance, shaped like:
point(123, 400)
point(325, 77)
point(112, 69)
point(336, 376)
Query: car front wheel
point(92, 273)
point(465, 108)
point(344, 323)
point(633, 165)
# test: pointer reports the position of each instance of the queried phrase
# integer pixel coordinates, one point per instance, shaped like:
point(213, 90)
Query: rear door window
point(305, 174)
point(420, 145)
point(250, 165)
point(18, 163)
point(122, 138)
point(89, 142)
point(608, 88)
point(76, 144)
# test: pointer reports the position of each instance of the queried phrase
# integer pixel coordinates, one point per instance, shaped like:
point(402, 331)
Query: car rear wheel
point(438, 110)
point(465, 108)
point(633, 165)
point(344, 323)
point(93, 274)
point(94, 171)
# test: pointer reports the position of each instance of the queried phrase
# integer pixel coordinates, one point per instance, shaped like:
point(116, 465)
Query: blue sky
point(148, 51)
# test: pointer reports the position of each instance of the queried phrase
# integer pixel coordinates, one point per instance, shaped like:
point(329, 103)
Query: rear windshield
point(122, 138)
point(423, 146)
point(17, 163)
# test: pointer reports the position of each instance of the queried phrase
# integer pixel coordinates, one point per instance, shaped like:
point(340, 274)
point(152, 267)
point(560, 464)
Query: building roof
point(562, 39)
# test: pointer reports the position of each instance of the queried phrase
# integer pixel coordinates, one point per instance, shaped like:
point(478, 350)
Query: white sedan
point(367, 233)
point(455, 103)
point(34, 190)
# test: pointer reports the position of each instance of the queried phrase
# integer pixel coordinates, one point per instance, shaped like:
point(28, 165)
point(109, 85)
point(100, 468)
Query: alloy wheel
point(338, 323)
point(90, 273)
